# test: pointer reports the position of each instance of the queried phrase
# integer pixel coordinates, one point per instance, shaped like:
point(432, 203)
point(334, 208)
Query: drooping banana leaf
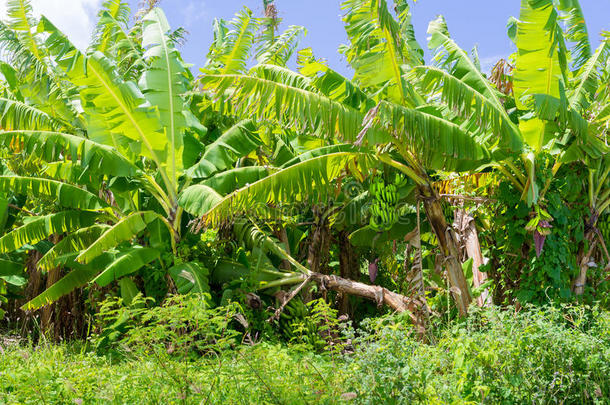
point(40, 228)
point(52, 146)
point(15, 114)
point(309, 180)
point(331, 83)
point(487, 113)
point(438, 143)
point(72, 243)
point(127, 262)
point(67, 195)
point(291, 107)
point(124, 230)
point(79, 276)
point(236, 142)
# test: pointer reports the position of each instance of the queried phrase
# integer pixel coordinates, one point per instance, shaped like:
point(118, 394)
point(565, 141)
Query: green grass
point(260, 374)
point(537, 356)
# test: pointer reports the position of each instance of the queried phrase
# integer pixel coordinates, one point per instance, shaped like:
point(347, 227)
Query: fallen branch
point(380, 295)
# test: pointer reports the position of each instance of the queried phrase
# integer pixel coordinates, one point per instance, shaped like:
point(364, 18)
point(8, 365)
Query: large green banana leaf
point(292, 107)
point(487, 113)
point(540, 65)
point(163, 84)
point(298, 183)
point(114, 108)
point(52, 146)
point(236, 142)
point(124, 230)
point(16, 114)
point(67, 195)
point(438, 143)
point(127, 262)
point(40, 228)
point(72, 243)
point(79, 276)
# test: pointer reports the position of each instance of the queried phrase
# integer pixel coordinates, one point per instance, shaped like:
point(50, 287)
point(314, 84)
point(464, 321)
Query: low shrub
point(536, 356)
point(184, 325)
point(549, 355)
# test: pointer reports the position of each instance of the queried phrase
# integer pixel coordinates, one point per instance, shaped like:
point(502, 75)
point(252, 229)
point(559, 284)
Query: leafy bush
point(553, 355)
point(183, 325)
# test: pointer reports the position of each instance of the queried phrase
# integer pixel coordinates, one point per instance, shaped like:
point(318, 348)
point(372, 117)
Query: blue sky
point(473, 22)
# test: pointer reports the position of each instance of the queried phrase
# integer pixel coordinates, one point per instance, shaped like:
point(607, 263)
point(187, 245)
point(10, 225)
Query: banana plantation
point(256, 227)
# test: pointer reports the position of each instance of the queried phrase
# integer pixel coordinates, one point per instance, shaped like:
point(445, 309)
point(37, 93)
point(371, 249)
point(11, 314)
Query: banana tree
point(379, 107)
point(115, 175)
point(129, 146)
point(553, 109)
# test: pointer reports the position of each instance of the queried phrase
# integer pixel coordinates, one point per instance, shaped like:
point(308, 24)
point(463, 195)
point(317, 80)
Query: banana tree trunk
point(348, 266)
point(49, 311)
point(447, 241)
point(578, 286)
point(415, 276)
point(319, 242)
point(283, 237)
point(470, 237)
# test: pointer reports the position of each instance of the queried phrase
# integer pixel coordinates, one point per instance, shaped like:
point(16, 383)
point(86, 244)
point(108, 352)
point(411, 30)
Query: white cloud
point(75, 18)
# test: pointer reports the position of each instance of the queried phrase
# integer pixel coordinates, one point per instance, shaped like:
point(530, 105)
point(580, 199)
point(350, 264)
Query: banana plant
point(548, 112)
point(378, 107)
point(115, 179)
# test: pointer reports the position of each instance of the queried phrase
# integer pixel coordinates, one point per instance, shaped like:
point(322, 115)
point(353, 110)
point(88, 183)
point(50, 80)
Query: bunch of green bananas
point(295, 311)
point(384, 209)
point(603, 224)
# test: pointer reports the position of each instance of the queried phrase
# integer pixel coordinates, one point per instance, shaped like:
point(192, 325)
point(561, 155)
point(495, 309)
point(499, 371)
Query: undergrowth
point(539, 356)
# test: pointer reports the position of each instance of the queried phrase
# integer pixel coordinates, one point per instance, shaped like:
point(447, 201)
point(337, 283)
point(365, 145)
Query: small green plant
point(318, 328)
point(183, 326)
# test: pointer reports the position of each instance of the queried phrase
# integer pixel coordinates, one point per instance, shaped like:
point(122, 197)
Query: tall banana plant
point(380, 112)
point(555, 109)
point(130, 146)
